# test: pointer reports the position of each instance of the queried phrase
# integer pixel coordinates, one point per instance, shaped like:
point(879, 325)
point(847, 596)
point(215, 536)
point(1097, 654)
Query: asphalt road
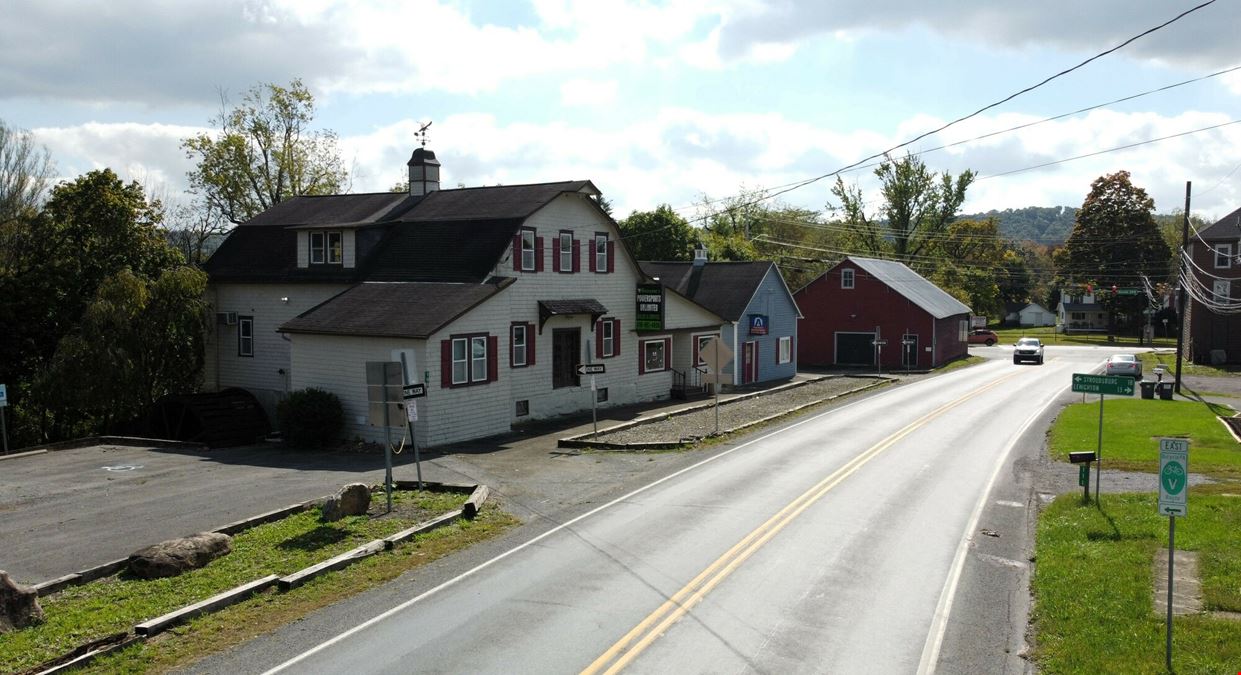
point(887, 535)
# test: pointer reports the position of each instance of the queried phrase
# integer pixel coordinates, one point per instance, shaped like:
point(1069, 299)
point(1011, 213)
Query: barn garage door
point(855, 349)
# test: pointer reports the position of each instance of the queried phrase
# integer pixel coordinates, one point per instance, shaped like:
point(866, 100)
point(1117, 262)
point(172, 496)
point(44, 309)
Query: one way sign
point(591, 369)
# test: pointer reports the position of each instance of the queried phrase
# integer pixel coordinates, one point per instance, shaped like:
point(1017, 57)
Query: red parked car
point(983, 336)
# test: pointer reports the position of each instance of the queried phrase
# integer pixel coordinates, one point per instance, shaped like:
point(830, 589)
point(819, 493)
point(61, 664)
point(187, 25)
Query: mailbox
point(1082, 457)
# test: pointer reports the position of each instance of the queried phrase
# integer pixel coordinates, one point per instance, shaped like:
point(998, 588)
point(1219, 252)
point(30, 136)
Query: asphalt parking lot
point(66, 510)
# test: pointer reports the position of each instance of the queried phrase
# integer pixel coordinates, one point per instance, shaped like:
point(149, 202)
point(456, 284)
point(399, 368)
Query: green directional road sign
point(1127, 291)
point(1173, 476)
point(1103, 384)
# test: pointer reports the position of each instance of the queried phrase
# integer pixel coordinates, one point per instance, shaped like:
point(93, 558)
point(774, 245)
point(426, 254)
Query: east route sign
point(1103, 384)
point(1173, 476)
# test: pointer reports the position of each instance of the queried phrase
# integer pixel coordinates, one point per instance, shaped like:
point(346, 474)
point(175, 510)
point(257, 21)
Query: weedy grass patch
point(114, 604)
point(1094, 589)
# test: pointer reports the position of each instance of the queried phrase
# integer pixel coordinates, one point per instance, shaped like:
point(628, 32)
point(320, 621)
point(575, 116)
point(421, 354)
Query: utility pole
point(1180, 293)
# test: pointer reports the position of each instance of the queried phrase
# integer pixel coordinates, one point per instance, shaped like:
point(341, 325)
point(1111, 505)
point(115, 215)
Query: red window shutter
point(615, 337)
point(590, 253)
point(694, 349)
point(538, 254)
point(530, 350)
point(517, 252)
point(667, 353)
point(556, 255)
point(493, 348)
point(512, 340)
point(611, 256)
point(577, 256)
point(641, 359)
point(792, 349)
point(777, 351)
point(445, 364)
point(599, 339)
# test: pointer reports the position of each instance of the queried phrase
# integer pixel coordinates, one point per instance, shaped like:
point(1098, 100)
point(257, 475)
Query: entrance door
point(749, 362)
point(566, 351)
point(855, 349)
point(909, 351)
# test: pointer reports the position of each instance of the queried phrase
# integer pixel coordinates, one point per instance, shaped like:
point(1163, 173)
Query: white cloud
point(675, 155)
point(580, 92)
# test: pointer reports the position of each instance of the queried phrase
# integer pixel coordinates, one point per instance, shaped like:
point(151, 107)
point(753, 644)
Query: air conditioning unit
point(226, 318)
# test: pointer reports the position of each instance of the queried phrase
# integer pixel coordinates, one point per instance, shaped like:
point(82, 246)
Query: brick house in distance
point(1215, 277)
point(861, 300)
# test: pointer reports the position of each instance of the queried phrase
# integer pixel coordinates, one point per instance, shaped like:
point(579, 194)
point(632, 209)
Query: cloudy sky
point(653, 101)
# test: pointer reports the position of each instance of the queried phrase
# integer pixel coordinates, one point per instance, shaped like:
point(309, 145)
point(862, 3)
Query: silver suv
point(1028, 349)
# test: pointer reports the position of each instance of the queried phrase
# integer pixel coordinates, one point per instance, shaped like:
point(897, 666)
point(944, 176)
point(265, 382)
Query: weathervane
point(421, 134)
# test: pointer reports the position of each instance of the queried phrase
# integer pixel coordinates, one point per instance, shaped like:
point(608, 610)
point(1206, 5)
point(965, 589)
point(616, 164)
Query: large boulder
point(172, 557)
point(352, 500)
point(19, 605)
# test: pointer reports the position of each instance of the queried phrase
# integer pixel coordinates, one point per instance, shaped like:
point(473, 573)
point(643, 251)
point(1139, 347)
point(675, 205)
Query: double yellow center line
point(620, 655)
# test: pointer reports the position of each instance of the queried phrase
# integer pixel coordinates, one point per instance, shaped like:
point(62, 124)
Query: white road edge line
point(939, 620)
point(480, 567)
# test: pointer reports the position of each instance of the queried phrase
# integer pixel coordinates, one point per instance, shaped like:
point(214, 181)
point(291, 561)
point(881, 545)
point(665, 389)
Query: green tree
point(264, 153)
point(918, 205)
point(51, 271)
point(661, 234)
point(1115, 241)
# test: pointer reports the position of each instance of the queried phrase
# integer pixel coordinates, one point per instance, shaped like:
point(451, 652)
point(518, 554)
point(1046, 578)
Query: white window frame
point(601, 253)
point(462, 361)
point(245, 336)
point(698, 338)
point(566, 251)
point(519, 346)
point(846, 278)
point(335, 253)
point(528, 252)
point(1223, 254)
point(478, 364)
point(608, 335)
point(318, 252)
point(786, 349)
point(963, 330)
point(1222, 290)
point(663, 346)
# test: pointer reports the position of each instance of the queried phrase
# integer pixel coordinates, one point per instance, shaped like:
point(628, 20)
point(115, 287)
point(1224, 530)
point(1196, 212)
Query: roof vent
point(700, 255)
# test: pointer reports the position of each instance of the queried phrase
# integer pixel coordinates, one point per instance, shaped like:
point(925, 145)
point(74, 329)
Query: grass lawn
point(1049, 336)
point(1131, 428)
point(115, 604)
point(1093, 588)
point(1168, 361)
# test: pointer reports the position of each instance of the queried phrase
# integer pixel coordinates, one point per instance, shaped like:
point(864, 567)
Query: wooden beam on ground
point(391, 541)
point(339, 562)
point(212, 604)
point(475, 503)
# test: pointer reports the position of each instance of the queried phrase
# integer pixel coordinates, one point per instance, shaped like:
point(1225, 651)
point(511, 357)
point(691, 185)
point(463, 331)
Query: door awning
point(550, 308)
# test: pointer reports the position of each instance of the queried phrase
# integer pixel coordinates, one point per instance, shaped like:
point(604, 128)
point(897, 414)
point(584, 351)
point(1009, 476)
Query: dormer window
point(326, 248)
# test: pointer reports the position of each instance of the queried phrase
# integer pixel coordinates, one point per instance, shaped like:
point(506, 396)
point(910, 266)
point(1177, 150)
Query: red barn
point(861, 301)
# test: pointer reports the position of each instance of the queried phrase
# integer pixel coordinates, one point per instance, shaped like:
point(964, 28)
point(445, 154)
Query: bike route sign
point(1173, 476)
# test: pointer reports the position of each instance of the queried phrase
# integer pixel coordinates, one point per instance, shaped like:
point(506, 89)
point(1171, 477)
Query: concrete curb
point(583, 440)
point(213, 604)
point(27, 453)
point(135, 441)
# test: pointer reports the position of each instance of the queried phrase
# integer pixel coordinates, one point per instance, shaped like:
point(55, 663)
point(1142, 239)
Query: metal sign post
point(1101, 384)
point(593, 369)
point(4, 429)
point(719, 356)
point(410, 393)
point(1173, 502)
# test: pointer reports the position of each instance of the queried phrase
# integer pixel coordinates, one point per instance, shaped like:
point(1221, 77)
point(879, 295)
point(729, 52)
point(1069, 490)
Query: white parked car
point(1028, 349)
point(1123, 364)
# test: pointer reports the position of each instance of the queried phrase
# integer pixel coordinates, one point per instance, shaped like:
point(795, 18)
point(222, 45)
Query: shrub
point(310, 418)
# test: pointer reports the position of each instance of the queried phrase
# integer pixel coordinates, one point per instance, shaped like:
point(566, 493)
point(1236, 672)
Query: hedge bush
point(310, 418)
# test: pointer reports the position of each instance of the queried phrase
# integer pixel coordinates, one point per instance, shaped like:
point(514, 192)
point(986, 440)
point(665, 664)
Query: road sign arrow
point(591, 369)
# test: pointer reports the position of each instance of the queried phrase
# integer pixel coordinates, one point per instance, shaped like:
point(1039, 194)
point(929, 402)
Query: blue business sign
point(758, 324)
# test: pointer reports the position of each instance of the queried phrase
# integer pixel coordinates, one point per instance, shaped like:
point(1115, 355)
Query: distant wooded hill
point(1042, 224)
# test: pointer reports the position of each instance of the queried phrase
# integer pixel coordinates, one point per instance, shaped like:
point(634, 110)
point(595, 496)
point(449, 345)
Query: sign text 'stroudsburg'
point(1103, 384)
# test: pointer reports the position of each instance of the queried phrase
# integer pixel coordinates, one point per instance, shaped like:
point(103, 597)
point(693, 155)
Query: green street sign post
point(1173, 502)
point(1087, 383)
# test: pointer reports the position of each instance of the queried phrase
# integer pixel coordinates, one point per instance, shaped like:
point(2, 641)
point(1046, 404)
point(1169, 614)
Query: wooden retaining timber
point(339, 562)
point(86, 653)
point(475, 503)
point(263, 518)
point(391, 541)
point(212, 604)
